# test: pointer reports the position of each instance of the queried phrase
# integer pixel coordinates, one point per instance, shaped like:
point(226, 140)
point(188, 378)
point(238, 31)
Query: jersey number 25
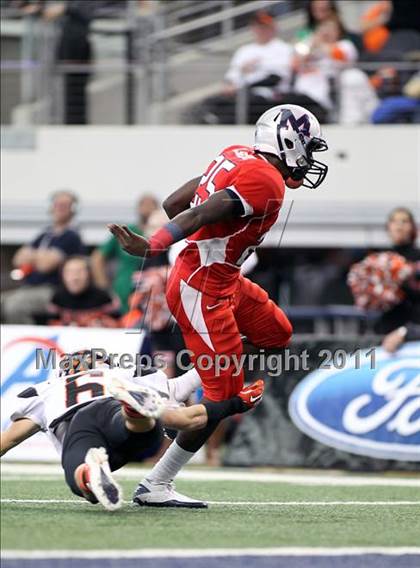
point(208, 181)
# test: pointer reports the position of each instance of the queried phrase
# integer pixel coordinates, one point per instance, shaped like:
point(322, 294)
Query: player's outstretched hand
point(129, 241)
point(252, 395)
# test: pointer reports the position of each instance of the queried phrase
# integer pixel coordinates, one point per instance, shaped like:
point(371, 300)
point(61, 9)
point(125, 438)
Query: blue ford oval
point(369, 411)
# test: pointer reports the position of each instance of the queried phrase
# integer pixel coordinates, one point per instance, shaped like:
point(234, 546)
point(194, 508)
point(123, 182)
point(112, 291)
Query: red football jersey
point(213, 256)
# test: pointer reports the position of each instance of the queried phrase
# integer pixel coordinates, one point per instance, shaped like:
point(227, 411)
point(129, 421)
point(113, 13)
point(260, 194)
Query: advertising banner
point(28, 355)
point(334, 403)
point(364, 408)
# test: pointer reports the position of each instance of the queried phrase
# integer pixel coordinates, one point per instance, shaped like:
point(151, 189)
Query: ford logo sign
point(371, 410)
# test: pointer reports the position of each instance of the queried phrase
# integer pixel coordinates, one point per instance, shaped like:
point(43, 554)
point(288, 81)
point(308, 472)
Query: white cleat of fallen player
point(101, 483)
point(151, 494)
point(144, 400)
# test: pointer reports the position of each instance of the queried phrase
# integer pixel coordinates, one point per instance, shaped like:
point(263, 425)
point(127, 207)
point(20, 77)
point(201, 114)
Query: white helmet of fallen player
point(292, 133)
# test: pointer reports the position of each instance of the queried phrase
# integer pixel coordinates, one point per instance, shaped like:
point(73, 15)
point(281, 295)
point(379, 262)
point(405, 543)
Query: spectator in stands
point(126, 263)
point(391, 28)
point(78, 302)
point(403, 321)
point(317, 64)
point(402, 232)
point(38, 263)
point(73, 47)
point(373, 25)
point(392, 33)
point(317, 12)
point(403, 109)
point(261, 67)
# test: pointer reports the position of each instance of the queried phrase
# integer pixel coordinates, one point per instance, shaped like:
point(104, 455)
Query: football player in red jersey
point(223, 216)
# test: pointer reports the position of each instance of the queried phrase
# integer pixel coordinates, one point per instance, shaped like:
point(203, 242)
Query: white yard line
point(313, 503)
point(336, 479)
point(45, 501)
point(239, 503)
point(210, 552)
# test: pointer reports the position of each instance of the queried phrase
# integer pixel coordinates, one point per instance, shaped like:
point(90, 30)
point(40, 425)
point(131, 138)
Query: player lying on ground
point(224, 216)
point(99, 421)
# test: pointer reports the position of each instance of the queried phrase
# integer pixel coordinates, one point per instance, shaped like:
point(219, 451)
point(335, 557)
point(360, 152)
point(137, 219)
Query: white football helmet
point(292, 133)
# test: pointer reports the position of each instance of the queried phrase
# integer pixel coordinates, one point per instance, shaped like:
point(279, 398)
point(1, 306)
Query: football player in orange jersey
point(223, 216)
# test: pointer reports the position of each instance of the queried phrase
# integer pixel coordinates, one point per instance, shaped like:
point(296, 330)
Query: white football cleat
point(164, 495)
point(101, 482)
point(143, 400)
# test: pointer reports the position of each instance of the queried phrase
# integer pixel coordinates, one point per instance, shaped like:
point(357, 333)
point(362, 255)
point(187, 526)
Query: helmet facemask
point(315, 171)
point(304, 166)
